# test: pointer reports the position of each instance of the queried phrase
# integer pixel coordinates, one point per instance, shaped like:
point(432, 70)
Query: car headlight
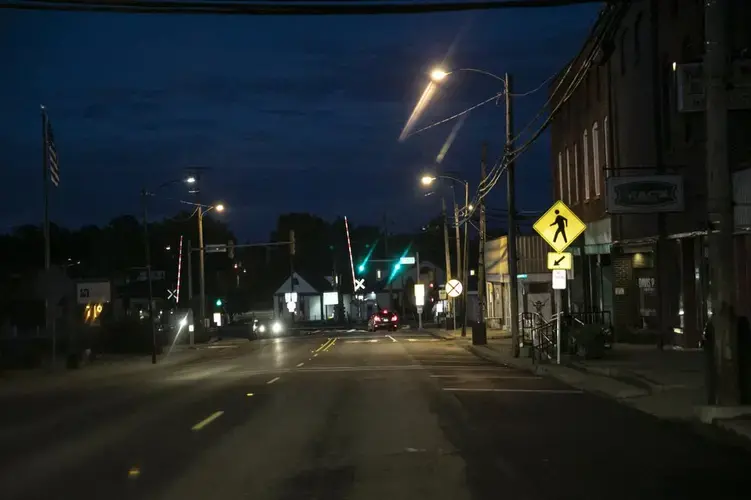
point(262, 328)
point(276, 327)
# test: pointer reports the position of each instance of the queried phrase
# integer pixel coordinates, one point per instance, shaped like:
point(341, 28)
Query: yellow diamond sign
point(559, 227)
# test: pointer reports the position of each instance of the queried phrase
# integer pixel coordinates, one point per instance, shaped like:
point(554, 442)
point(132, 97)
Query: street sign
point(454, 288)
point(419, 294)
point(559, 227)
point(216, 248)
point(559, 279)
point(405, 261)
point(360, 284)
point(91, 292)
point(442, 294)
point(561, 260)
point(171, 294)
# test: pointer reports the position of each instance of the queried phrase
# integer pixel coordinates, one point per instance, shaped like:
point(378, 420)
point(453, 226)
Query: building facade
point(629, 158)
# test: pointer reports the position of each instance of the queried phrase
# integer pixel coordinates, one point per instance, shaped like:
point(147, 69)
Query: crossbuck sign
point(454, 288)
point(360, 284)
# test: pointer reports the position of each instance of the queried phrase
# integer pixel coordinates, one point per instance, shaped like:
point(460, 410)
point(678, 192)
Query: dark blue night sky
point(291, 113)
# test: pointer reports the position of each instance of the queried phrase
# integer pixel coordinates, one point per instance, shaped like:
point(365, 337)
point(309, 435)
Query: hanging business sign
point(646, 194)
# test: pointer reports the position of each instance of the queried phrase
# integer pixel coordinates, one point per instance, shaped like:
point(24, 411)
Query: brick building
point(628, 157)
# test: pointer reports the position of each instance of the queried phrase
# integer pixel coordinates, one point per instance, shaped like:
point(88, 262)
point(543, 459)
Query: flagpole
point(46, 230)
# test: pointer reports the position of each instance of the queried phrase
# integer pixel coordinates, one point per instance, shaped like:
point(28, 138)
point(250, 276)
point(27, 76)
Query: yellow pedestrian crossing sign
point(560, 261)
point(559, 227)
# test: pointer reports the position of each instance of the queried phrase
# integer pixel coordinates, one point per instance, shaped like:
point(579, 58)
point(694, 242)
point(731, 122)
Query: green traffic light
point(219, 302)
point(361, 268)
point(397, 266)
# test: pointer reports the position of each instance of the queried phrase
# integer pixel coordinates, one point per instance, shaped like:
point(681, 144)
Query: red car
point(383, 320)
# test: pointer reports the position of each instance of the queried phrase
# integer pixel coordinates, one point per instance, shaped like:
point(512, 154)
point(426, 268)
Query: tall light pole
point(202, 210)
point(147, 249)
point(427, 180)
point(438, 75)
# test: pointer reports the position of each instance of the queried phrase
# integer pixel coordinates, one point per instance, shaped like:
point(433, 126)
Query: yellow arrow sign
point(560, 261)
point(559, 227)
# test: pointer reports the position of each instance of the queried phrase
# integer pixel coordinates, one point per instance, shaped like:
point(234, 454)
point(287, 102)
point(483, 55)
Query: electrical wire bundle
point(279, 7)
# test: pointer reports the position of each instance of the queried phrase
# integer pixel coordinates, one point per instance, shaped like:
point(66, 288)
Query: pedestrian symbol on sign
point(562, 223)
point(84, 294)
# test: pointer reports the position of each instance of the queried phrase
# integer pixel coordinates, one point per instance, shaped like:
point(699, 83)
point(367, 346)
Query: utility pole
point(479, 334)
point(386, 256)
point(448, 253)
point(720, 203)
point(466, 256)
point(458, 253)
point(201, 270)
point(49, 320)
point(511, 201)
point(147, 249)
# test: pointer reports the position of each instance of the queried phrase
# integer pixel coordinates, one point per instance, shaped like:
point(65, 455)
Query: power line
point(279, 7)
point(615, 16)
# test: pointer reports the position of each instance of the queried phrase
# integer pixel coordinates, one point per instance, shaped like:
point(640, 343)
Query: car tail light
point(376, 319)
point(394, 318)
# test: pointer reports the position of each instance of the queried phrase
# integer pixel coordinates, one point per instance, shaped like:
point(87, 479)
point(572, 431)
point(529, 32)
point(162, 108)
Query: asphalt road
point(365, 416)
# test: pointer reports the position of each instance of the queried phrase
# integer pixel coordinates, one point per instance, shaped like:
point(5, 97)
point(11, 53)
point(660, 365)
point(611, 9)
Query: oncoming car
point(268, 328)
point(383, 320)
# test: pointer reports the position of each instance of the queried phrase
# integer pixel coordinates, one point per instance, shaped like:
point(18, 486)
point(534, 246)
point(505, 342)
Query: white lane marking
point(273, 380)
point(392, 338)
point(508, 377)
point(541, 391)
point(315, 355)
point(300, 364)
point(411, 340)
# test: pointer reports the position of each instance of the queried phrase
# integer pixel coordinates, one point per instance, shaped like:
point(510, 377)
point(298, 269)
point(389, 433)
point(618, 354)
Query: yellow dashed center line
point(206, 421)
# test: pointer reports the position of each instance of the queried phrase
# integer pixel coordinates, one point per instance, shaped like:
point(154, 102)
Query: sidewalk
point(668, 384)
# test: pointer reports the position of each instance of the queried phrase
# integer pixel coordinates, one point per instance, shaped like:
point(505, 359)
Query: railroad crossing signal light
point(219, 302)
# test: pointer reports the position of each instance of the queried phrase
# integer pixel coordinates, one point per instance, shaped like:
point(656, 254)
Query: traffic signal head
point(361, 268)
point(219, 302)
point(397, 266)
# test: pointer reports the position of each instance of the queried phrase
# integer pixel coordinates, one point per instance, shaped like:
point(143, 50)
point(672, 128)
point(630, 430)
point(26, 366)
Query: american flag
point(52, 156)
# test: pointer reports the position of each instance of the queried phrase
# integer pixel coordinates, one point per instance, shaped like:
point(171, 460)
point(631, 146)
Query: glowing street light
point(427, 180)
point(219, 207)
point(190, 180)
point(438, 74)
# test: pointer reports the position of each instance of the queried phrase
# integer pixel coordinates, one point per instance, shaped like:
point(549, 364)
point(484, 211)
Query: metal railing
point(544, 341)
point(528, 321)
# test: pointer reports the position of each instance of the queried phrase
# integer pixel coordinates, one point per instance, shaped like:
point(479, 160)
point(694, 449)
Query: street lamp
point(437, 75)
point(202, 210)
point(461, 264)
point(147, 248)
